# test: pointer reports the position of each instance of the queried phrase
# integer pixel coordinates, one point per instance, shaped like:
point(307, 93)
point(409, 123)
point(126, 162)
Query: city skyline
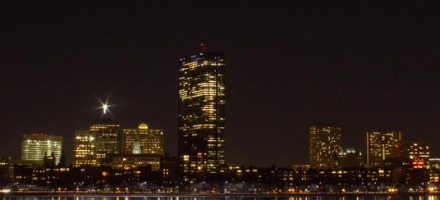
point(381, 145)
point(105, 109)
point(288, 68)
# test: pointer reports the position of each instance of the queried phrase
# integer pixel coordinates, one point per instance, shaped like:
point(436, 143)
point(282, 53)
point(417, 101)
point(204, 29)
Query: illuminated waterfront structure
point(150, 140)
point(35, 147)
point(301, 166)
point(382, 145)
point(325, 144)
point(107, 135)
point(133, 161)
point(201, 115)
point(434, 175)
point(84, 149)
point(6, 171)
point(417, 152)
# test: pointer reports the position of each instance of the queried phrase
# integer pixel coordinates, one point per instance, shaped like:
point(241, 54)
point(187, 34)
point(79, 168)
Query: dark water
point(321, 197)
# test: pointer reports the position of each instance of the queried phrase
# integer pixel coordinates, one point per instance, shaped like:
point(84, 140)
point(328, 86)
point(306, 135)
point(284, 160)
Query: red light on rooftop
point(203, 46)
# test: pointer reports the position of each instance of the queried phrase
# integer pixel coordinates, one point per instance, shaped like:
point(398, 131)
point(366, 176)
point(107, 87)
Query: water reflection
point(319, 197)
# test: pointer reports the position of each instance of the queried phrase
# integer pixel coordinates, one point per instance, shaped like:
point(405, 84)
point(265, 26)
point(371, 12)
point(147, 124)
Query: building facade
point(201, 115)
point(149, 140)
point(325, 144)
point(84, 149)
point(350, 158)
point(108, 137)
point(133, 161)
point(417, 152)
point(6, 171)
point(382, 145)
point(36, 147)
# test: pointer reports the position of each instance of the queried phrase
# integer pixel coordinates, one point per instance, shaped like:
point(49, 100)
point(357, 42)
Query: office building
point(6, 171)
point(134, 161)
point(36, 147)
point(434, 163)
point(350, 158)
point(108, 137)
point(417, 152)
point(84, 149)
point(147, 140)
point(201, 120)
point(382, 145)
point(325, 144)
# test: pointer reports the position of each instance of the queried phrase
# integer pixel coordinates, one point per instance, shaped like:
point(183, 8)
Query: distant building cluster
point(107, 144)
point(382, 147)
point(108, 157)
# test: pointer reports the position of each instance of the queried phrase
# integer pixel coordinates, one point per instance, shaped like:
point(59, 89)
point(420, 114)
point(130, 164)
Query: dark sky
point(358, 64)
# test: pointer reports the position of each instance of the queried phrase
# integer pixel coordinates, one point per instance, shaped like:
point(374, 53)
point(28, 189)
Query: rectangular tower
point(37, 146)
point(150, 140)
point(108, 137)
point(382, 145)
point(201, 115)
point(325, 145)
point(84, 149)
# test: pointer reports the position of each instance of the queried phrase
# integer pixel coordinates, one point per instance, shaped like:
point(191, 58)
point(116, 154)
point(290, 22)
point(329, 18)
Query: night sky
point(356, 64)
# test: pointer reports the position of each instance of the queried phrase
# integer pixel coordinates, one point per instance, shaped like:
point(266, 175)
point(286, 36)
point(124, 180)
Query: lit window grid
point(201, 88)
point(135, 162)
point(151, 140)
point(325, 143)
point(107, 139)
point(417, 151)
point(382, 145)
point(84, 149)
point(36, 146)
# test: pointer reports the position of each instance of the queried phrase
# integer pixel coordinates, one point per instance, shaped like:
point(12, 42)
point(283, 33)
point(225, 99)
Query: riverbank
point(146, 194)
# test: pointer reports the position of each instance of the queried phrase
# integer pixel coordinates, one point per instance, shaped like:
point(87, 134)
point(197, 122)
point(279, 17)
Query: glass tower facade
point(201, 115)
point(325, 144)
point(36, 146)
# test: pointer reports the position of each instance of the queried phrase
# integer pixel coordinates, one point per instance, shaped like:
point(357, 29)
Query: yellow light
point(392, 190)
point(5, 190)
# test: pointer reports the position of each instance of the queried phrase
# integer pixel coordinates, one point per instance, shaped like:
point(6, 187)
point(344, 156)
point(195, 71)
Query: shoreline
point(140, 194)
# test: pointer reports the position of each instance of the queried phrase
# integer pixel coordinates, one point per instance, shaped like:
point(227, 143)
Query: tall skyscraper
point(382, 145)
point(325, 144)
point(108, 136)
point(84, 149)
point(150, 141)
point(201, 115)
point(35, 147)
